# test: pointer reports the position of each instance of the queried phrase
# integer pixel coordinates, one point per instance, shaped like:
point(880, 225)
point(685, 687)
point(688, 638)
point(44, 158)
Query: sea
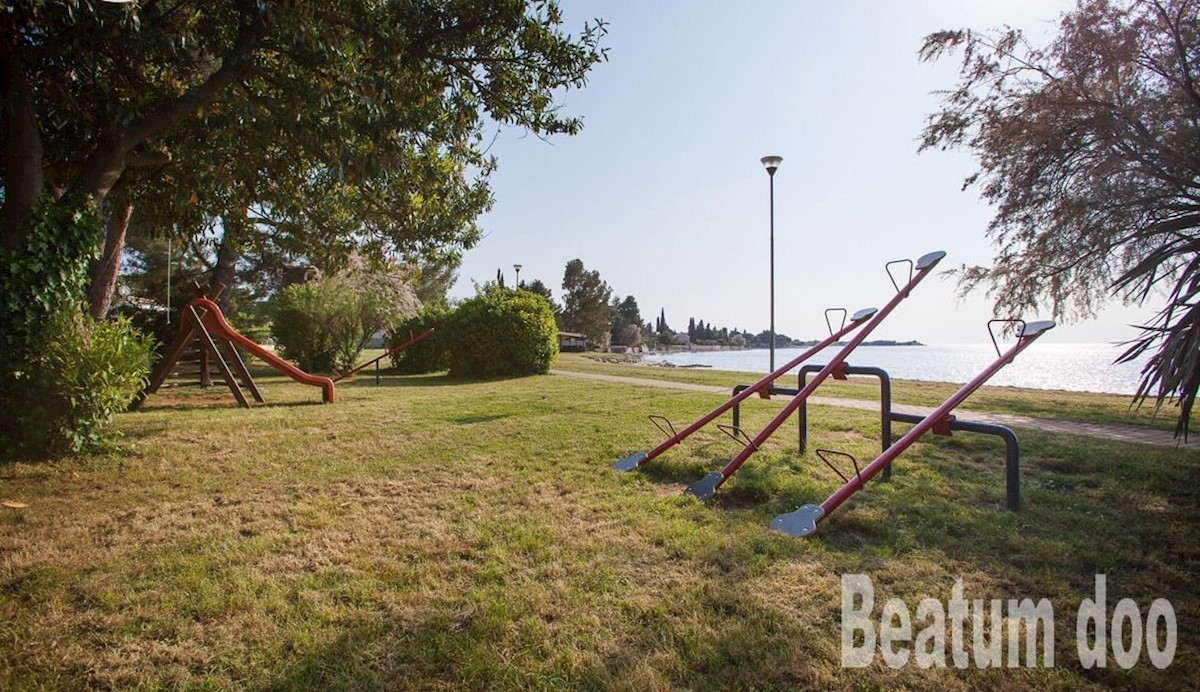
point(1072, 367)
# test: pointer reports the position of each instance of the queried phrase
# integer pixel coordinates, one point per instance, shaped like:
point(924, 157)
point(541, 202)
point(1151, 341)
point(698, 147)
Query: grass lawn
point(435, 535)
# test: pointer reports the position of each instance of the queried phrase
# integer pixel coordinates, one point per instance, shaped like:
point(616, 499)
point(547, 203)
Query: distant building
point(570, 342)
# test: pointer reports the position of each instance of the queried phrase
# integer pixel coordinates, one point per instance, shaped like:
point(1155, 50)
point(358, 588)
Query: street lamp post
point(771, 163)
point(518, 268)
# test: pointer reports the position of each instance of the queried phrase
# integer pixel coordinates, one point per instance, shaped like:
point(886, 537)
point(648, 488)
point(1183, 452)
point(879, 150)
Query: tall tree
point(1089, 150)
point(585, 303)
point(626, 321)
point(318, 112)
point(435, 276)
point(541, 289)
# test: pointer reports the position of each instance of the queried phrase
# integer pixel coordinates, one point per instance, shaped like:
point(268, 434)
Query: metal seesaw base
point(705, 487)
point(799, 522)
point(630, 462)
point(763, 386)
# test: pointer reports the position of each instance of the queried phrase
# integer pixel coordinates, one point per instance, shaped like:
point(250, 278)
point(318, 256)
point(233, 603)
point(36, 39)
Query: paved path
point(1122, 433)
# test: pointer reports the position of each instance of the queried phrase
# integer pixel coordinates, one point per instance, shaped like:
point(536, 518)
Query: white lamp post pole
point(771, 163)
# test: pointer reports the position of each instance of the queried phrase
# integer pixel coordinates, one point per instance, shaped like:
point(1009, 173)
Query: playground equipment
point(803, 521)
point(202, 320)
point(1012, 450)
point(707, 486)
point(866, 320)
point(763, 387)
point(375, 361)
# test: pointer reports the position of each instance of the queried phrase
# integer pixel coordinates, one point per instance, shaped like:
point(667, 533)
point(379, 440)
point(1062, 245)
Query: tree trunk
point(225, 271)
point(104, 270)
point(22, 148)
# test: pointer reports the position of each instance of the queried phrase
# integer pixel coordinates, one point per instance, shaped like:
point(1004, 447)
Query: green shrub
point(65, 397)
point(323, 325)
point(315, 325)
point(501, 333)
point(45, 276)
point(429, 355)
point(62, 374)
point(151, 323)
point(257, 334)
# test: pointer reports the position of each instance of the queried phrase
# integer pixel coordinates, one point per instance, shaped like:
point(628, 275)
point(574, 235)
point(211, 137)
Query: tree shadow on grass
point(685, 470)
point(471, 419)
point(442, 379)
point(671, 643)
point(941, 518)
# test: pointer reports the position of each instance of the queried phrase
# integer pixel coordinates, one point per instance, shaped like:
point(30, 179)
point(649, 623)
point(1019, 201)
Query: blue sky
point(663, 191)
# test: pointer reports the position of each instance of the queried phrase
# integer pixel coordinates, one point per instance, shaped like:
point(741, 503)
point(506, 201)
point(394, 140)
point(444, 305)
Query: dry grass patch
point(429, 534)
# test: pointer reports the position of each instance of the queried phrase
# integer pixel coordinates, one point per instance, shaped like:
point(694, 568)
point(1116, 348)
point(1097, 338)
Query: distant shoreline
point(1072, 367)
point(879, 342)
point(684, 348)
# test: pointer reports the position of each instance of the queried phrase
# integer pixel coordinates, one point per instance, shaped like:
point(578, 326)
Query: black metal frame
point(1012, 451)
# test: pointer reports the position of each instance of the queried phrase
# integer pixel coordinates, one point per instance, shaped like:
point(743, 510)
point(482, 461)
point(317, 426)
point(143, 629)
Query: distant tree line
point(589, 307)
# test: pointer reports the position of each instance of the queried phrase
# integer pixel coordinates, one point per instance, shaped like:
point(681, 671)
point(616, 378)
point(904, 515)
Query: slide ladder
point(707, 486)
point(803, 521)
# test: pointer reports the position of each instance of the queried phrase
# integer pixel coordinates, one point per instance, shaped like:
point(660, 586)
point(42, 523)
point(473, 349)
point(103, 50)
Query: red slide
point(215, 323)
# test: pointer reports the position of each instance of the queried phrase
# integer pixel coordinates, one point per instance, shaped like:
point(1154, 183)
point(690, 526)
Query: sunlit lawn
point(433, 534)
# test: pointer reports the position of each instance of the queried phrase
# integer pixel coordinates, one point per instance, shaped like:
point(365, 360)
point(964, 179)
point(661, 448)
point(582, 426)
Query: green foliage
point(541, 289)
point(84, 372)
point(252, 319)
point(323, 324)
point(501, 333)
point(315, 325)
point(145, 263)
point(626, 321)
point(1088, 151)
point(435, 276)
point(64, 374)
point(351, 127)
point(429, 355)
point(44, 276)
point(585, 304)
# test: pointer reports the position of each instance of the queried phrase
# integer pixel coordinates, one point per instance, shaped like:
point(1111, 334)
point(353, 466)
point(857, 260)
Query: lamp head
point(771, 163)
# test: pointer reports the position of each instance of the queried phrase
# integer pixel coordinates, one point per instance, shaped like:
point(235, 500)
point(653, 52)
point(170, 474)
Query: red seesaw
point(923, 267)
point(707, 486)
point(411, 340)
point(803, 521)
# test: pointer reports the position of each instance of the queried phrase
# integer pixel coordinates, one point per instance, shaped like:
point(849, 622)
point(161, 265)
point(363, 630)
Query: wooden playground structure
point(203, 330)
point(203, 325)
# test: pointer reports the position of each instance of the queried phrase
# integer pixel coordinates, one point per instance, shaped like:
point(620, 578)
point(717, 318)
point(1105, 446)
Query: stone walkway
point(1121, 433)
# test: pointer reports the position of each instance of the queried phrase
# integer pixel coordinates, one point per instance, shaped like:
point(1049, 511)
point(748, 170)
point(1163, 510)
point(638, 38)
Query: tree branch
point(102, 169)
